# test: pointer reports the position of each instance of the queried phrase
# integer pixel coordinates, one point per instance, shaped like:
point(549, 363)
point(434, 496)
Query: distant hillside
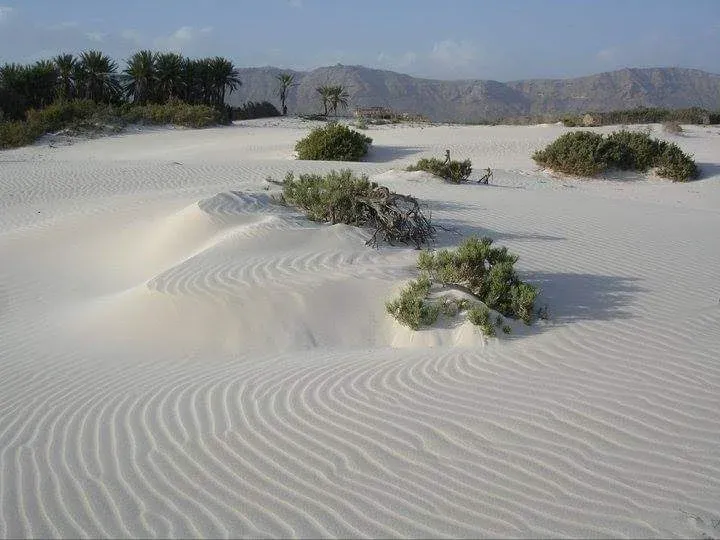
point(478, 100)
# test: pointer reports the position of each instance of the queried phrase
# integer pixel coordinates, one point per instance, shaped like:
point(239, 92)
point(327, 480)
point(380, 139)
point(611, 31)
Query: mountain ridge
point(477, 100)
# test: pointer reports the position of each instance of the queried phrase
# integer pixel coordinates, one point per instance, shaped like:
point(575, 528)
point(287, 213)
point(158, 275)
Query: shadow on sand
point(584, 297)
point(386, 154)
point(708, 170)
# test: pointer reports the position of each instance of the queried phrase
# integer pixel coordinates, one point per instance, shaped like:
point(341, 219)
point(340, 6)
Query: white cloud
point(97, 37)
point(295, 3)
point(397, 62)
point(182, 37)
point(63, 25)
point(5, 13)
point(131, 35)
point(607, 55)
point(454, 54)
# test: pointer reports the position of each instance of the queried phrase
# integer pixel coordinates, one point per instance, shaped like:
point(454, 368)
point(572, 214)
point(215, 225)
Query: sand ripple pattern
point(354, 446)
point(601, 422)
point(264, 245)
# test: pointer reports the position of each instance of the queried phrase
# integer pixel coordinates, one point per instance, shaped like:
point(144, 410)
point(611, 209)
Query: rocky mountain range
point(485, 100)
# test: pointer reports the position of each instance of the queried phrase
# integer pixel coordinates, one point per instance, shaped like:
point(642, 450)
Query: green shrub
point(477, 268)
point(334, 142)
point(255, 109)
point(17, 133)
point(341, 197)
point(173, 112)
point(411, 307)
point(480, 316)
point(585, 153)
point(333, 198)
point(65, 113)
point(576, 152)
point(452, 171)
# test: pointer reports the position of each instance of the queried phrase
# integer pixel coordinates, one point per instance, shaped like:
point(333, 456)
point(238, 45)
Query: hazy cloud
point(608, 55)
point(397, 62)
point(132, 35)
point(182, 37)
point(5, 13)
point(97, 37)
point(295, 3)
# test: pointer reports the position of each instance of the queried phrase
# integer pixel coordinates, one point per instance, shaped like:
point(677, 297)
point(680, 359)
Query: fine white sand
point(179, 356)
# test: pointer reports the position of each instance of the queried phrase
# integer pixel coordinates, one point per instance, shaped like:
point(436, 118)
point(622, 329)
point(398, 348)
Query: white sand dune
point(179, 356)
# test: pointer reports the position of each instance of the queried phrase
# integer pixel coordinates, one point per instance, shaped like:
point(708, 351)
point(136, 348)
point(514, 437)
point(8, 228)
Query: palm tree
point(13, 91)
point(325, 92)
point(140, 77)
point(169, 74)
point(41, 82)
point(338, 96)
point(99, 76)
point(287, 81)
point(66, 65)
point(223, 79)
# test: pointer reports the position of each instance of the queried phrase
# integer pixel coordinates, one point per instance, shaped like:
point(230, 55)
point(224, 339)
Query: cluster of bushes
point(640, 115)
point(452, 171)
point(334, 142)
point(173, 112)
point(255, 109)
point(84, 115)
point(477, 268)
point(652, 115)
point(483, 272)
point(585, 153)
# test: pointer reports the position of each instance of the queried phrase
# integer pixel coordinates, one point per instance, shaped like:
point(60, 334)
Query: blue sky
point(451, 39)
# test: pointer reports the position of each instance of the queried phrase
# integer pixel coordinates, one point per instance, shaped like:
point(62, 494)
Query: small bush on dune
point(334, 142)
point(341, 197)
point(452, 171)
point(585, 153)
point(576, 152)
point(476, 268)
point(411, 308)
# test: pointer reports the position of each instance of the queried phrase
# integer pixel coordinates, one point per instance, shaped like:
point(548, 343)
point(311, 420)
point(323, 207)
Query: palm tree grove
point(151, 87)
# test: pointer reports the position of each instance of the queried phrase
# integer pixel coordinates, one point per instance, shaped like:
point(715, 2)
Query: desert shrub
point(411, 307)
point(585, 153)
point(480, 316)
point(654, 115)
point(576, 152)
point(255, 109)
point(334, 142)
point(361, 123)
point(476, 268)
point(675, 164)
point(341, 197)
point(64, 113)
point(572, 121)
point(16, 133)
point(452, 171)
point(173, 112)
point(673, 127)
